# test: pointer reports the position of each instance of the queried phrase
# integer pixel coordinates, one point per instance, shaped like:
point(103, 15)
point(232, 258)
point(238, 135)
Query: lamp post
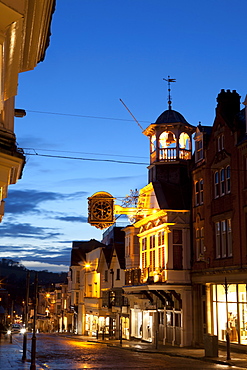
point(33, 349)
point(228, 356)
point(24, 354)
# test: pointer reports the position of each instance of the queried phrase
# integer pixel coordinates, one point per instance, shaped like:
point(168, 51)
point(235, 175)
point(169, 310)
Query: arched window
point(184, 146)
point(167, 139)
point(167, 146)
point(184, 141)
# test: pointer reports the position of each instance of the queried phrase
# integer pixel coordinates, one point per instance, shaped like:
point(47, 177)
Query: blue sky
point(101, 51)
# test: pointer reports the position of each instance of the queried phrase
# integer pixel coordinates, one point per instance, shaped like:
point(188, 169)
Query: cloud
point(80, 219)
point(50, 253)
point(40, 266)
point(28, 201)
point(27, 230)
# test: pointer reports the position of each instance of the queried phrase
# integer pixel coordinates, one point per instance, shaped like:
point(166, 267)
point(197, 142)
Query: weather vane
point(169, 80)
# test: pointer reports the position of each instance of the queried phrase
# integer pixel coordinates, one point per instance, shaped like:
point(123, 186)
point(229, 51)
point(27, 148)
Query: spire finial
point(169, 80)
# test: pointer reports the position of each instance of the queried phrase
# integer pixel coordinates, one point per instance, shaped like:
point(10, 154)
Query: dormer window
point(220, 142)
point(198, 150)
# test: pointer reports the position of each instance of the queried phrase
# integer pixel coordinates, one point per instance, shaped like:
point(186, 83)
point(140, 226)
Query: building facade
point(24, 37)
point(219, 224)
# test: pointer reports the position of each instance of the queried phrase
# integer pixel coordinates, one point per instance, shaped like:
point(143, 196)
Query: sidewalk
point(11, 357)
point(238, 359)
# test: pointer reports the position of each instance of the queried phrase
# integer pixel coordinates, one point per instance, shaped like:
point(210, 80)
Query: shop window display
point(230, 311)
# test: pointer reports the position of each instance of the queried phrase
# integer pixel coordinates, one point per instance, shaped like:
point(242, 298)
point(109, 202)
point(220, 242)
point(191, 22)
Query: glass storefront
point(230, 311)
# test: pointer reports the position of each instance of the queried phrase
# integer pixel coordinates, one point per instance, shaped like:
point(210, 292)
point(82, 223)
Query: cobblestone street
point(58, 352)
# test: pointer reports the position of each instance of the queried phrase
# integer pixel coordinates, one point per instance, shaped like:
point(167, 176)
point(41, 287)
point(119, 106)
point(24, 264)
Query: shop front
point(229, 312)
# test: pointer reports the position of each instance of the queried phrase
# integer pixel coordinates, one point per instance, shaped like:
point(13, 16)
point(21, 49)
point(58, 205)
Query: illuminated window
point(152, 252)
point(161, 238)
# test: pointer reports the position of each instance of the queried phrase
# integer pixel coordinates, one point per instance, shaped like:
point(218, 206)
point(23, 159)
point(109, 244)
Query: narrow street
point(58, 352)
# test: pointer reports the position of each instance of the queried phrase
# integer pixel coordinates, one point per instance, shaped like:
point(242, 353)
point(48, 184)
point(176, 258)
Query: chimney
point(228, 104)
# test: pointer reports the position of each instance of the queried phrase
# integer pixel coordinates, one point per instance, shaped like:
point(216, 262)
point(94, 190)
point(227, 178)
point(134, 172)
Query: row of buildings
point(179, 270)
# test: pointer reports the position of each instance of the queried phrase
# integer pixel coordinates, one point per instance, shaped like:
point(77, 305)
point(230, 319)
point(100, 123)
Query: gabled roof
point(120, 252)
point(80, 248)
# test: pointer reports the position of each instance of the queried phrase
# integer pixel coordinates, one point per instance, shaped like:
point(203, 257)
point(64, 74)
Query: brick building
point(219, 224)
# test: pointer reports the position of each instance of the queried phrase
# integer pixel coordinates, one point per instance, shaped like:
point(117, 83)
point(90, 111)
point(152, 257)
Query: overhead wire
point(86, 159)
point(84, 116)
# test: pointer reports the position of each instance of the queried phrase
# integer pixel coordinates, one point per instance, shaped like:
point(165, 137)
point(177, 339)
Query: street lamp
point(228, 356)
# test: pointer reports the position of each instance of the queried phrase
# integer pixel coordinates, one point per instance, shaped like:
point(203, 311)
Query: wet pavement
point(11, 354)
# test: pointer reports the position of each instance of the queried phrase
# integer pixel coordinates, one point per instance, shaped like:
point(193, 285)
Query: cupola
point(170, 139)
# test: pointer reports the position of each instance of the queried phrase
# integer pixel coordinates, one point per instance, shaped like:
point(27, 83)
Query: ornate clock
point(100, 210)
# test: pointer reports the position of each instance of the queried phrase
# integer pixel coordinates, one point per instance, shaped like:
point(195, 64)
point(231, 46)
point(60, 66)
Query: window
point(199, 192)
point(152, 241)
point(216, 184)
point(199, 243)
point(220, 142)
point(228, 179)
point(118, 274)
point(197, 198)
point(229, 236)
point(198, 150)
point(161, 257)
point(78, 277)
point(144, 244)
point(223, 238)
point(106, 275)
point(161, 238)
point(222, 182)
point(177, 250)
point(144, 252)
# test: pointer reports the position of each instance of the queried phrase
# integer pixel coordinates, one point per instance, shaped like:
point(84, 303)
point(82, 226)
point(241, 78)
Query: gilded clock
point(102, 210)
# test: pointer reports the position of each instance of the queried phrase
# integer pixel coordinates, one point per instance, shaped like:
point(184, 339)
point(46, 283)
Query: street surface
point(59, 352)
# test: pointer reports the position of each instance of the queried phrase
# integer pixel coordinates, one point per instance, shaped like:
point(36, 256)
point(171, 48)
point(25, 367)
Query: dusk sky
point(102, 51)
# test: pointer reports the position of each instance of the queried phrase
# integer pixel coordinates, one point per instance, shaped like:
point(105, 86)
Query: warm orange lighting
point(87, 265)
point(47, 295)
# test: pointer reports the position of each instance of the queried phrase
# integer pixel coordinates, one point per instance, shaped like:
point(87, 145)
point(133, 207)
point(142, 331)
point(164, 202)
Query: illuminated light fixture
point(87, 265)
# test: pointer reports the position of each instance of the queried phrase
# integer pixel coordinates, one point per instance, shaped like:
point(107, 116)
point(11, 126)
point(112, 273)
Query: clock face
point(102, 210)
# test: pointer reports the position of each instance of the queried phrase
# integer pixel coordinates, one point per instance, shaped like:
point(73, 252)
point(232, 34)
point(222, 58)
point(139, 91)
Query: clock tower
point(170, 156)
